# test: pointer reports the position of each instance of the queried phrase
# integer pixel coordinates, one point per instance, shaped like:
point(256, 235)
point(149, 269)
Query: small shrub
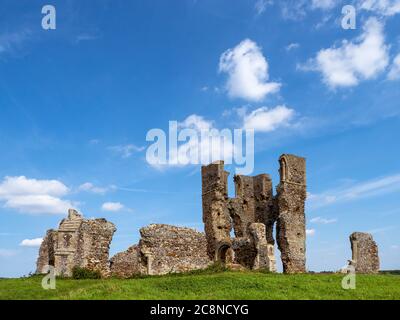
point(79, 273)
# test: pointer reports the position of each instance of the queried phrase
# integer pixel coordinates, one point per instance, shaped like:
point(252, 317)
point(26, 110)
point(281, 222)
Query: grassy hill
point(220, 285)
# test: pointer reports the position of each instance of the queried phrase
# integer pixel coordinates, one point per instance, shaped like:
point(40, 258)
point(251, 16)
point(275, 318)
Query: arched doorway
point(224, 254)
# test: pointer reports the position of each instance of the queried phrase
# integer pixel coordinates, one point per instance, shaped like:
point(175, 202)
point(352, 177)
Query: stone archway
point(225, 254)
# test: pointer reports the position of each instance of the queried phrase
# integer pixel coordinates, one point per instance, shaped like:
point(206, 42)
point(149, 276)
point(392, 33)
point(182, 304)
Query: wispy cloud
point(394, 72)
point(310, 232)
point(261, 5)
point(126, 151)
point(321, 220)
point(381, 7)
point(11, 41)
point(90, 187)
point(292, 46)
point(365, 189)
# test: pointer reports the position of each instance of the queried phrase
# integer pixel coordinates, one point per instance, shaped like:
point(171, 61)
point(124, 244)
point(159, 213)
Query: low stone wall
point(163, 249)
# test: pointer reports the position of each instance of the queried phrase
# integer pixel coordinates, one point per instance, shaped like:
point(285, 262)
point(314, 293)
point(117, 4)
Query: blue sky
point(77, 102)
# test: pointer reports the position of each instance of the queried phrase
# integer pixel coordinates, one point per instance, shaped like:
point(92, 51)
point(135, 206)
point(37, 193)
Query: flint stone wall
point(163, 249)
point(78, 242)
point(291, 224)
point(254, 203)
point(365, 256)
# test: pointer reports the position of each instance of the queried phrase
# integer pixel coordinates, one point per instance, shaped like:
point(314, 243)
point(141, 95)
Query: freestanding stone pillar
point(291, 224)
point(365, 257)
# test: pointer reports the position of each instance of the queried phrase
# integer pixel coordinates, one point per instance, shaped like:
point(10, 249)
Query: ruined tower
point(291, 224)
point(215, 211)
point(250, 214)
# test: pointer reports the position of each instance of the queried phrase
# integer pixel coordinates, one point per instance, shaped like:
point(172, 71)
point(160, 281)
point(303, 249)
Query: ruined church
point(239, 232)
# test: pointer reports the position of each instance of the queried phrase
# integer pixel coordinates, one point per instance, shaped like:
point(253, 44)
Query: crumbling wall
point(94, 240)
point(163, 249)
point(365, 256)
point(128, 263)
point(77, 242)
point(46, 252)
point(265, 256)
point(253, 204)
point(291, 224)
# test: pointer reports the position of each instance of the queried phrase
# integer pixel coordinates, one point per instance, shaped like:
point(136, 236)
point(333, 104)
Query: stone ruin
point(252, 215)
point(364, 249)
point(239, 232)
point(162, 249)
point(77, 242)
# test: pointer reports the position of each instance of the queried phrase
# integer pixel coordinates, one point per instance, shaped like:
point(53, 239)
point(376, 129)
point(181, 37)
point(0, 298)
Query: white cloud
point(31, 242)
point(355, 61)
point(205, 148)
point(196, 122)
point(361, 190)
point(261, 5)
point(112, 206)
point(394, 72)
point(292, 46)
point(381, 7)
point(126, 150)
point(34, 196)
point(22, 186)
point(310, 232)
point(321, 220)
point(247, 71)
point(323, 4)
point(265, 120)
point(90, 187)
point(298, 9)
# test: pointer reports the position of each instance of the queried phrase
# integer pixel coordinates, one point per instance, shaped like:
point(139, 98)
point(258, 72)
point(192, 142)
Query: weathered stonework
point(291, 224)
point(77, 242)
point(365, 258)
point(216, 218)
point(163, 249)
point(46, 252)
point(128, 263)
point(251, 215)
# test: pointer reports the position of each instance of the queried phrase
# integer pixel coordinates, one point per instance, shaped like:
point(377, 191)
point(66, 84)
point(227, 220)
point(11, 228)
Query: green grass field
point(220, 285)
